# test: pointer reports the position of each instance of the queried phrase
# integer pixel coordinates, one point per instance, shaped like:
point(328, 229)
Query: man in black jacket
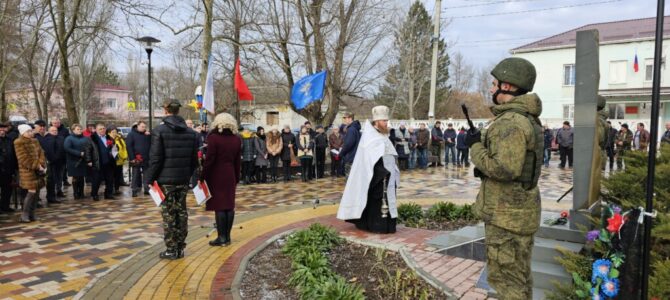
point(52, 152)
point(173, 158)
point(63, 132)
point(8, 166)
point(103, 145)
point(321, 143)
point(609, 145)
point(351, 139)
point(138, 143)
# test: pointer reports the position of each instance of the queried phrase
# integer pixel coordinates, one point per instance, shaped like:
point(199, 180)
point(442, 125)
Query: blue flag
point(308, 89)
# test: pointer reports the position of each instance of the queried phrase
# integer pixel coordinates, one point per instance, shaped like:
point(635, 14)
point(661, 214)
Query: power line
point(535, 10)
point(488, 3)
point(500, 40)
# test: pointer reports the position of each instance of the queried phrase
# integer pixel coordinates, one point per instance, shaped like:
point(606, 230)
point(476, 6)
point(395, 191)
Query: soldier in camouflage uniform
point(508, 158)
point(173, 158)
point(624, 139)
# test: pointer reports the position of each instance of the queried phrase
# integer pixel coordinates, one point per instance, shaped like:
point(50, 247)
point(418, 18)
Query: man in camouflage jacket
point(508, 159)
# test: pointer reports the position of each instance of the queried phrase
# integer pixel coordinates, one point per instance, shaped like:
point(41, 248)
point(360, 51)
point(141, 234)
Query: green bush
point(465, 212)
point(312, 276)
point(442, 211)
point(409, 213)
point(658, 283)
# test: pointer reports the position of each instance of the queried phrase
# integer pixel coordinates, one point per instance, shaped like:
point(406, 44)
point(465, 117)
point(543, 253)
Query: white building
point(628, 91)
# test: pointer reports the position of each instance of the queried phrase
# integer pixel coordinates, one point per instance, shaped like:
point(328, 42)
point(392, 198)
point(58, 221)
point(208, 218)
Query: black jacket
point(8, 163)
point(63, 132)
point(351, 140)
point(321, 140)
point(104, 150)
point(174, 153)
point(52, 146)
point(288, 138)
point(138, 143)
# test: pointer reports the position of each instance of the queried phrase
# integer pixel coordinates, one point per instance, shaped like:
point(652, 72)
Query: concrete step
point(546, 250)
point(545, 273)
point(459, 237)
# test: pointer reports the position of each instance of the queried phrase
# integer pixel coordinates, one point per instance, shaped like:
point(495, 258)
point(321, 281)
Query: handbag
point(294, 161)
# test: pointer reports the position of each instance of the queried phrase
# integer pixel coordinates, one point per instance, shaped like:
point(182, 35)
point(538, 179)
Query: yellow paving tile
point(202, 262)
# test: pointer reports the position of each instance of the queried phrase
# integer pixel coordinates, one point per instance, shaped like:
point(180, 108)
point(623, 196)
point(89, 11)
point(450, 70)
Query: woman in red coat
point(221, 171)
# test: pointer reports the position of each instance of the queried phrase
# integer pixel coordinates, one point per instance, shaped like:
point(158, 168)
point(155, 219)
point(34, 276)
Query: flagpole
point(651, 164)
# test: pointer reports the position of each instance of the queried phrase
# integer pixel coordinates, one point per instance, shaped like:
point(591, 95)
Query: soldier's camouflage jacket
point(510, 157)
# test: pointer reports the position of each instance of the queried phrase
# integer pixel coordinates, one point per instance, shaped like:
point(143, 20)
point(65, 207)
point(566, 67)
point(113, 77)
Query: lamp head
point(148, 42)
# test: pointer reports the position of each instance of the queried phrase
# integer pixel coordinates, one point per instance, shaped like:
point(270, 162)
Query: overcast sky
point(483, 40)
point(482, 30)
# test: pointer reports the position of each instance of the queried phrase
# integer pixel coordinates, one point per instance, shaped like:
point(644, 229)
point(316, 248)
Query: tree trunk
point(410, 100)
point(206, 49)
point(63, 35)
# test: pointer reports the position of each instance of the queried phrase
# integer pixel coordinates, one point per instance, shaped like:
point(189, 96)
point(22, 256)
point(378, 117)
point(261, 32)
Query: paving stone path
point(76, 243)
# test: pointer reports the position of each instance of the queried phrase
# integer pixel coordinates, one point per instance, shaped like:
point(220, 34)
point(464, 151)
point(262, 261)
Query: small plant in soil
point(441, 216)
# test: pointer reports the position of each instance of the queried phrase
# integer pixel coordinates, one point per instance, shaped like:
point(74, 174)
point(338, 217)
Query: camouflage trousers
point(175, 216)
point(508, 263)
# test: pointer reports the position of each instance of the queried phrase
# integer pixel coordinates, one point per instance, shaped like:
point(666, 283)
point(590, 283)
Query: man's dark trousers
point(566, 152)
point(5, 191)
point(105, 173)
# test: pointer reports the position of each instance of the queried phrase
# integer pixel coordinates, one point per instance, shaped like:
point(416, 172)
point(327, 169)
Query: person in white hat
point(374, 173)
point(32, 169)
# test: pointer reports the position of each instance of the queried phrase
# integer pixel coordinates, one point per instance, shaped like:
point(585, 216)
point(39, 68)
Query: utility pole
point(433, 66)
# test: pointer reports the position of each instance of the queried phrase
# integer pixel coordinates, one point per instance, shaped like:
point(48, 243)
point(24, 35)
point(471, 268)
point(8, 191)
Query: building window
point(648, 70)
point(568, 111)
point(618, 70)
point(617, 111)
point(272, 118)
point(110, 103)
point(568, 74)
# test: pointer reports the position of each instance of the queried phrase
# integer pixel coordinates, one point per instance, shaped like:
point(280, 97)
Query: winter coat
point(63, 132)
point(104, 150)
point(422, 138)
point(450, 134)
point(548, 137)
point(8, 164)
point(138, 143)
point(76, 163)
point(248, 147)
point(174, 153)
point(52, 147)
point(564, 137)
point(626, 139)
point(400, 139)
point(221, 169)
point(460, 140)
point(505, 198)
point(287, 138)
point(261, 151)
point(335, 141)
point(436, 135)
point(273, 143)
point(320, 140)
point(122, 156)
point(644, 139)
point(30, 157)
point(351, 139)
point(666, 138)
point(305, 145)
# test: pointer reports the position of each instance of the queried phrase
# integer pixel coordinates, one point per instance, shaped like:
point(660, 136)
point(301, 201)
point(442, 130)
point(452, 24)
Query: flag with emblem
point(308, 89)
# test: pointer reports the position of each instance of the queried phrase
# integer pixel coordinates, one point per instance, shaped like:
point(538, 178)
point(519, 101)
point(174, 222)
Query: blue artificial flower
point(616, 209)
point(601, 269)
point(610, 287)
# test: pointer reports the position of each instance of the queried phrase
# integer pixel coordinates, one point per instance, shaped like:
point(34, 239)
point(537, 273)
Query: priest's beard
point(383, 130)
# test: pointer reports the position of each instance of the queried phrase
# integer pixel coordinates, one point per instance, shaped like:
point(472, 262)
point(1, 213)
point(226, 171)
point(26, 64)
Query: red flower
point(200, 154)
point(138, 157)
point(109, 142)
point(564, 214)
point(614, 223)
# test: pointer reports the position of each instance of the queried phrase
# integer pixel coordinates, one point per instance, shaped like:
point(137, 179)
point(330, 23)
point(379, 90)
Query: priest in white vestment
point(369, 199)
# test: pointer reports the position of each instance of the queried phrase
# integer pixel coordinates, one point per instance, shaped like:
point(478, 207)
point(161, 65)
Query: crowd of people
point(617, 143)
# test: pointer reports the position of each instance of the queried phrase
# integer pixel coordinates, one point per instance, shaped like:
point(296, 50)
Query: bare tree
point(338, 36)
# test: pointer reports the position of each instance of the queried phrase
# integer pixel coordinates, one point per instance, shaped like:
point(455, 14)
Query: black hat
point(172, 103)
point(41, 123)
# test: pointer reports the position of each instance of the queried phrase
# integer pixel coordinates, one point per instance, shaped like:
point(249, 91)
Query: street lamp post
point(148, 41)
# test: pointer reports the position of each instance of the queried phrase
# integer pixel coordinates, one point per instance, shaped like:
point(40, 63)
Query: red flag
point(243, 92)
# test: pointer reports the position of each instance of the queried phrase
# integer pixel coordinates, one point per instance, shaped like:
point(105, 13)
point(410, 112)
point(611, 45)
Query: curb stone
point(425, 275)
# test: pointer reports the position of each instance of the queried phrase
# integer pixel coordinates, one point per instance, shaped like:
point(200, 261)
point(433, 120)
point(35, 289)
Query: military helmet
point(601, 102)
point(516, 71)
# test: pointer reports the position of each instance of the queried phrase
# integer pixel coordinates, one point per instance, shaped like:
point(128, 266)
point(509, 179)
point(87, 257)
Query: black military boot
point(220, 218)
point(170, 254)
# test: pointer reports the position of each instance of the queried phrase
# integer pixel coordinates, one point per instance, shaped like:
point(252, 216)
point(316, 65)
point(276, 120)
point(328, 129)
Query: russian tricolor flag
point(636, 66)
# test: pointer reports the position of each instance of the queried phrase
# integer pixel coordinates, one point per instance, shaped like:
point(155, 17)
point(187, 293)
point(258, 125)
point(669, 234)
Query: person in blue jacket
point(351, 139)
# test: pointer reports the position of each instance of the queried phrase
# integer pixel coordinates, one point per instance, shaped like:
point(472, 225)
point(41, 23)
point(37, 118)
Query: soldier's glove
point(479, 173)
point(474, 136)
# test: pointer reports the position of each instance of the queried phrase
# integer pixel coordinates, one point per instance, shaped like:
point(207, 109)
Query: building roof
point(610, 32)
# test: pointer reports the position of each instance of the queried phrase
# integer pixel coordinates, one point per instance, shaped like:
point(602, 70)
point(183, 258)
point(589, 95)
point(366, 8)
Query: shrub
point(442, 211)
point(409, 213)
point(465, 212)
point(320, 237)
point(339, 289)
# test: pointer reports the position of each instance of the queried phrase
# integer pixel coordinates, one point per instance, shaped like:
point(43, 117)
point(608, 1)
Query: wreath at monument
point(609, 265)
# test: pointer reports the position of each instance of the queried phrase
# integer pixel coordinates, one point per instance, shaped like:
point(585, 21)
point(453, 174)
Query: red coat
point(221, 170)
